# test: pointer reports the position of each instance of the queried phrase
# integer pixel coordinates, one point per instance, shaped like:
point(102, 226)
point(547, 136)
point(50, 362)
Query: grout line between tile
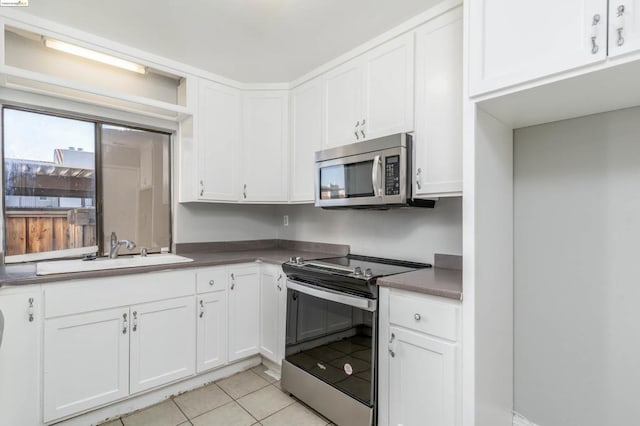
point(180, 409)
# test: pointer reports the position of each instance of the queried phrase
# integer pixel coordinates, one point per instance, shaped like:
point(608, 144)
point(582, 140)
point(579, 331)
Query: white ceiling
point(246, 40)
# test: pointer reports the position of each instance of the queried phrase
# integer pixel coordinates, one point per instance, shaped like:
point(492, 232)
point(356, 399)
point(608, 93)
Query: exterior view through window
point(69, 183)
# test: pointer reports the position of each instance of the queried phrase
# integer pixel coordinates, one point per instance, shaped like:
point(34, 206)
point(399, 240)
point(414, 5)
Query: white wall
point(577, 269)
point(408, 233)
point(224, 222)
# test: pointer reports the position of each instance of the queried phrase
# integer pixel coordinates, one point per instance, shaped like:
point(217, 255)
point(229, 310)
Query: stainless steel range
point(332, 333)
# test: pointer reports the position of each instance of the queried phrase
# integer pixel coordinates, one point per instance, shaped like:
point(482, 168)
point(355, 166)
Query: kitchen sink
point(101, 263)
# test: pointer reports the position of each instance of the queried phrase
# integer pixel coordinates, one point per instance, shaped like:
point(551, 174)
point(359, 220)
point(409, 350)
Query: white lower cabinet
point(212, 330)
point(273, 305)
point(86, 361)
point(244, 311)
point(20, 353)
point(163, 342)
point(419, 371)
point(211, 308)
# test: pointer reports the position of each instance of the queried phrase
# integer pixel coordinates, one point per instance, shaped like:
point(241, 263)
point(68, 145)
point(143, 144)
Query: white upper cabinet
point(513, 42)
point(265, 140)
point(438, 133)
point(210, 144)
point(343, 104)
point(218, 141)
point(624, 26)
point(371, 95)
point(306, 138)
point(388, 88)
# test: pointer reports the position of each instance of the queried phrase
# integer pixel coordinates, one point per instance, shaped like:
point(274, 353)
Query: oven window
point(334, 342)
point(346, 181)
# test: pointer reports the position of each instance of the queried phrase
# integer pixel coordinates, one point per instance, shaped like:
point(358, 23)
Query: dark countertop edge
point(443, 280)
point(274, 256)
point(268, 244)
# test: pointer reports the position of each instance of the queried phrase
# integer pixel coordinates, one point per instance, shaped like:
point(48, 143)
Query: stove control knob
point(368, 273)
point(299, 260)
point(292, 260)
point(357, 271)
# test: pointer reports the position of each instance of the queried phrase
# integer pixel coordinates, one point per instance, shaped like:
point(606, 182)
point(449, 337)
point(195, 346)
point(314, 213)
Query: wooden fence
point(37, 231)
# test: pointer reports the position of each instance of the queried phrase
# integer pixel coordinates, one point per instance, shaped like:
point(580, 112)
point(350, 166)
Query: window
point(69, 183)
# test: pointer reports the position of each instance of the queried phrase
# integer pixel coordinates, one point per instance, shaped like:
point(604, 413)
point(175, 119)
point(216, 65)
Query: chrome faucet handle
point(130, 244)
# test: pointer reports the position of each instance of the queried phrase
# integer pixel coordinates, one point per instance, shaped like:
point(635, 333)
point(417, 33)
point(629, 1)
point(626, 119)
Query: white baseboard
point(520, 420)
point(118, 409)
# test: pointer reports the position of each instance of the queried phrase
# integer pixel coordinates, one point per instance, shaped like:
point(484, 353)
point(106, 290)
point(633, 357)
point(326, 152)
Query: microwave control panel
point(392, 175)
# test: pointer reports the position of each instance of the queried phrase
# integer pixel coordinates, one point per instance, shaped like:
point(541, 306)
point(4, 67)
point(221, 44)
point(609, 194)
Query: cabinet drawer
point(211, 279)
point(422, 314)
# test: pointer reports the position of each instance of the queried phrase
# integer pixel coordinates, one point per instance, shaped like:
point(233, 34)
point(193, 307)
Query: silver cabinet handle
point(31, 314)
point(211, 282)
point(393, 337)
point(362, 129)
point(418, 178)
point(417, 317)
point(124, 324)
point(278, 282)
point(201, 188)
point(233, 281)
point(244, 191)
point(135, 320)
point(594, 34)
point(375, 176)
point(392, 353)
point(201, 308)
point(356, 131)
point(620, 26)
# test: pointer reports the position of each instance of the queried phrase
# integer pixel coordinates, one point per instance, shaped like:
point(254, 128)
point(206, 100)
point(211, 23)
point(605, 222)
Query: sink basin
point(79, 265)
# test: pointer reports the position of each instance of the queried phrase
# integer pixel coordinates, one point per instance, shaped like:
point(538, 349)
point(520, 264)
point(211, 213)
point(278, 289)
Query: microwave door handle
point(375, 176)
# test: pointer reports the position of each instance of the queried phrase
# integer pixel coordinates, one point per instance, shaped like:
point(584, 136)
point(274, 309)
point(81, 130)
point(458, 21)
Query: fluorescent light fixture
point(93, 55)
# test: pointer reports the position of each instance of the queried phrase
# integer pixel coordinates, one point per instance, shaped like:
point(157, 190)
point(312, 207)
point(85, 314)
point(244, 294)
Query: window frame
point(98, 122)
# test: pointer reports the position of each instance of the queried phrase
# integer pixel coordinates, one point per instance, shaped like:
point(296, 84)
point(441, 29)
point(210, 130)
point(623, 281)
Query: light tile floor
point(244, 399)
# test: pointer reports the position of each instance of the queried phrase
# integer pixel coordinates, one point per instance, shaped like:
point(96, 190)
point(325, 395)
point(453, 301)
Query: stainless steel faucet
point(115, 244)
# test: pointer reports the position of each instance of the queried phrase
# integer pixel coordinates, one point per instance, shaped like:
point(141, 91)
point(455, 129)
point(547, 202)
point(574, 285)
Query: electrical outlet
point(286, 220)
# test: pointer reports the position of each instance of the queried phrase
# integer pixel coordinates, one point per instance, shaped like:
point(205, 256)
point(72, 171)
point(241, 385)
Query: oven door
point(374, 178)
point(333, 337)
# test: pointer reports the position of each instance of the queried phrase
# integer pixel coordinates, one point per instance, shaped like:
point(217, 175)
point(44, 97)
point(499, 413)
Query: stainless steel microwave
point(374, 174)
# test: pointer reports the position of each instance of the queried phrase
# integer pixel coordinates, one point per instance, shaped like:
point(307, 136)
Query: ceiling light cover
point(93, 55)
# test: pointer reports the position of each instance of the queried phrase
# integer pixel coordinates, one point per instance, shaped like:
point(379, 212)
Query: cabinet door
point(388, 88)
point(265, 146)
point(269, 312)
point(20, 358)
point(421, 380)
point(342, 89)
point(513, 42)
point(438, 135)
point(306, 131)
point(218, 141)
point(624, 26)
point(244, 312)
point(86, 361)
point(212, 330)
point(163, 343)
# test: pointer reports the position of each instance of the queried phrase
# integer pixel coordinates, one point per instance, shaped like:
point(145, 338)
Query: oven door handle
point(334, 296)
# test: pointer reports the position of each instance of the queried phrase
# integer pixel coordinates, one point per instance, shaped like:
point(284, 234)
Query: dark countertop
point(444, 279)
point(202, 255)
